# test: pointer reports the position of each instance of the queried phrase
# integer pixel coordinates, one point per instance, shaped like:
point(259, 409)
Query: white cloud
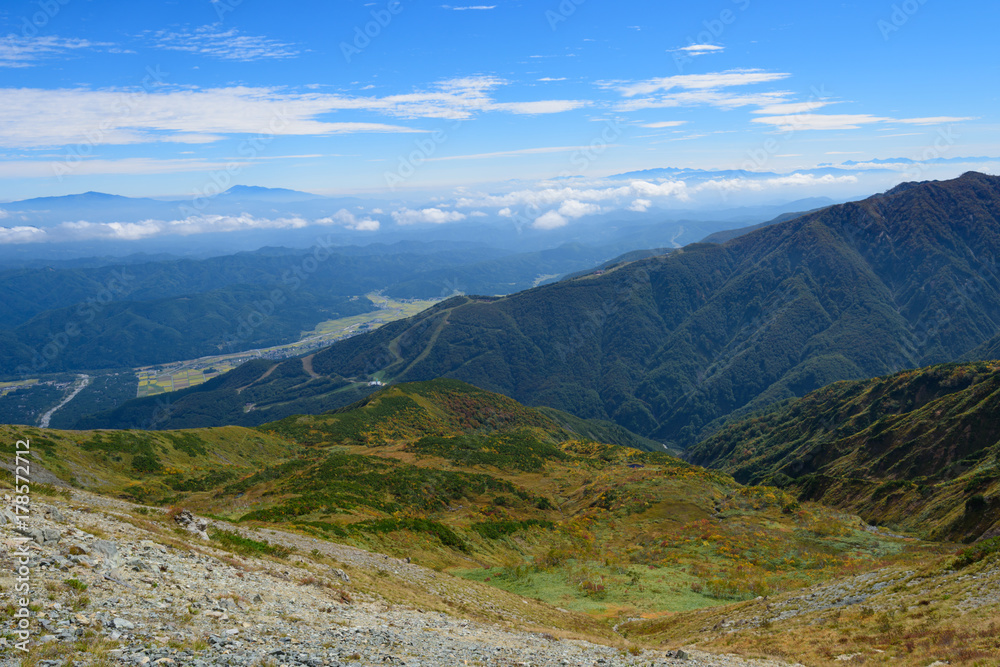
point(550, 220)
point(132, 166)
point(569, 210)
point(561, 205)
point(200, 224)
point(762, 185)
point(715, 98)
point(664, 124)
point(463, 9)
point(26, 52)
point(576, 209)
point(81, 230)
point(809, 121)
point(3, 214)
point(792, 108)
point(540, 107)
point(35, 117)
point(478, 214)
point(350, 221)
point(17, 235)
point(546, 197)
point(712, 81)
point(701, 49)
point(432, 216)
point(699, 90)
point(223, 44)
point(549, 78)
point(936, 120)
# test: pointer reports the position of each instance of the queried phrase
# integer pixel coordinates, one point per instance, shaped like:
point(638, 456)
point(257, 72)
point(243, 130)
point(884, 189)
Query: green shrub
point(494, 530)
point(146, 463)
point(246, 546)
point(443, 533)
point(976, 553)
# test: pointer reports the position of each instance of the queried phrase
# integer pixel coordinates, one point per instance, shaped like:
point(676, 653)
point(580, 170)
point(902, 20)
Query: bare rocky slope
point(112, 587)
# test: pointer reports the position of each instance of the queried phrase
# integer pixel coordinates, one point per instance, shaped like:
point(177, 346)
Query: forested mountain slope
point(670, 345)
point(919, 449)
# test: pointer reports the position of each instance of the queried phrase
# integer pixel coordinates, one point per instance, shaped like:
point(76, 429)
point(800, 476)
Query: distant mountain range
point(61, 224)
point(674, 345)
point(102, 207)
point(879, 165)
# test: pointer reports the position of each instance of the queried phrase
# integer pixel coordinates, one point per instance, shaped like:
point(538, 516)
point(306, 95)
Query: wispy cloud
point(936, 120)
point(810, 121)
point(466, 8)
point(699, 90)
point(223, 44)
point(711, 81)
point(27, 52)
point(33, 117)
point(540, 107)
point(36, 117)
point(700, 49)
point(793, 107)
point(664, 124)
point(714, 98)
point(131, 166)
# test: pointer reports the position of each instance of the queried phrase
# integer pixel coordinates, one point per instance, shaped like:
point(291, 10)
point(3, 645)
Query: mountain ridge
point(671, 346)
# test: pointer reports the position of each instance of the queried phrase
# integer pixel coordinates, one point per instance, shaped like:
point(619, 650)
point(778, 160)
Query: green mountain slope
point(141, 333)
point(919, 449)
point(156, 312)
point(462, 479)
point(672, 345)
point(988, 350)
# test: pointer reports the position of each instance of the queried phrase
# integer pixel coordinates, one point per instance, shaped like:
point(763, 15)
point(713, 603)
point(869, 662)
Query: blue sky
point(163, 98)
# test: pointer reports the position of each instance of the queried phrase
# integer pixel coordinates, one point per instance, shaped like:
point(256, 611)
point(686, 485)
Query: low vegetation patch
point(236, 543)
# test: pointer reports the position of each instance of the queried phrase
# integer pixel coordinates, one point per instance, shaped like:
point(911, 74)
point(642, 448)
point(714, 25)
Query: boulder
point(192, 524)
point(108, 553)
